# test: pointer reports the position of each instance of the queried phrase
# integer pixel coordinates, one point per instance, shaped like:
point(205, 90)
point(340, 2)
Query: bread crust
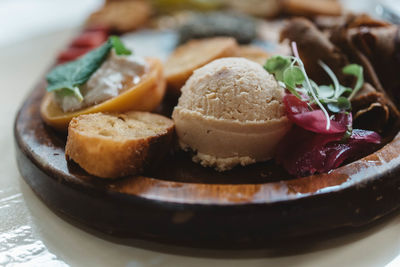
point(113, 156)
point(193, 55)
point(312, 8)
point(122, 16)
point(252, 53)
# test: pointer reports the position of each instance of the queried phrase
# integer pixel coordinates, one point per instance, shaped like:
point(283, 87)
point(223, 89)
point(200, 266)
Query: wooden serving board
point(183, 203)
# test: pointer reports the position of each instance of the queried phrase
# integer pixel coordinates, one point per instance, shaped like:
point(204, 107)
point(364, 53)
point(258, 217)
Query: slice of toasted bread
point(252, 53)
point(312, 8)
point(122, 16)
point(112, 145)
point(195, 54)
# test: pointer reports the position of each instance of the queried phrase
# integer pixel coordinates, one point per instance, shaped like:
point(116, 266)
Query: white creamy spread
point(106, 82)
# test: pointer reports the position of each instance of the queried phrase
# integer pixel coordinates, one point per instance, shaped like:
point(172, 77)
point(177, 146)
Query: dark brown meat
point(349, 20)
point(372, 44)
point(371, 110)
point(356, 39)
point(313, 46)
point(375, 45)
point(382, 48)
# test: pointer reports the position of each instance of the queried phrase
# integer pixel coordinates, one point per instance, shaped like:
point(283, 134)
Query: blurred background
point(23, 19)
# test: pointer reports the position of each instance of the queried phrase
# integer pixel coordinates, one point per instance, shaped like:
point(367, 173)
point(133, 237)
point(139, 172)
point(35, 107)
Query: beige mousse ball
point(230, 112)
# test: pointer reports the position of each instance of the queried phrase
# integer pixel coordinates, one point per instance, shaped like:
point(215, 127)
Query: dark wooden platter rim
point(184, 204)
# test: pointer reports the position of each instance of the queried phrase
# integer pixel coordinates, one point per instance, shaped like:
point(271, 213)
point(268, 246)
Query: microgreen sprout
point(332, 76)
point(357, 71)
point(291, 73)
point(296, 54)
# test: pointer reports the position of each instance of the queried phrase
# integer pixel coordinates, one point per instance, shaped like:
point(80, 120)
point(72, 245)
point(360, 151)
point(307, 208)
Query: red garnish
point(365, 136)
point(87, 40)
point(314, 120)
point(302, 152)
point(72, 53)
point(310, 148)
point(98, 28)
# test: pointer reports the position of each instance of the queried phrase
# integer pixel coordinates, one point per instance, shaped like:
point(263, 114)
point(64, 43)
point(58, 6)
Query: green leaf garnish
point(277, 65)
point(357, 71)
point(76, 92)
point(293, 76)
point(66, 79)
point(343, 90)
point(119, 47)
point(69, 76)
point(342, 104)
point(291, 73)
point(326, 91)
point(333, 77)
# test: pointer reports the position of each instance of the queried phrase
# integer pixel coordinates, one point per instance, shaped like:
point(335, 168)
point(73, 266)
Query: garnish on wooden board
point(290, 72)
point(66, 79)
point(308, 148)
point(323, 137)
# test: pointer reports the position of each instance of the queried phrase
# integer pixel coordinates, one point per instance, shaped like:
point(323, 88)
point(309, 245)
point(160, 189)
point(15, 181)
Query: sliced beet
point(302, 152)
point(315, 121)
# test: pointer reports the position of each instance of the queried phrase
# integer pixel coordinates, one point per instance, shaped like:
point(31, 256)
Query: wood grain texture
point(183, 203)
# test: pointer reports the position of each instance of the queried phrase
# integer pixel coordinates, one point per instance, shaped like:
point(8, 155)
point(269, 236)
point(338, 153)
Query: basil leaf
point(277, 65)
point(66, 78)
point(342, 104)
point(119, 47)
point(357, 71)
point(71, 75)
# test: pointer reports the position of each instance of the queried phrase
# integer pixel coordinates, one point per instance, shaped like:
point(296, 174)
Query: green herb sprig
point(118, 46)
point(67, 78)
point(291, 74)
